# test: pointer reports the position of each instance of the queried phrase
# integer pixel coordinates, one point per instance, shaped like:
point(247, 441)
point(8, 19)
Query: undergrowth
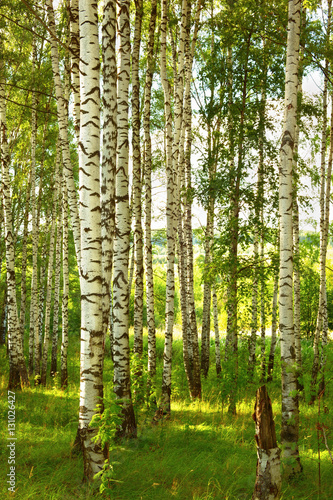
point(200, 453)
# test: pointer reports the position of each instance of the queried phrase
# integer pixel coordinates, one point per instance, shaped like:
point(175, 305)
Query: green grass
point(201, 453)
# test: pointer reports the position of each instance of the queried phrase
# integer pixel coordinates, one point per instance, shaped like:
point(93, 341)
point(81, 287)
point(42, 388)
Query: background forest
point(166, 249)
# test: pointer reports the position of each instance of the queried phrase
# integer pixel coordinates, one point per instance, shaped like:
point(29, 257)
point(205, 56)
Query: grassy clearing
point(201, 453)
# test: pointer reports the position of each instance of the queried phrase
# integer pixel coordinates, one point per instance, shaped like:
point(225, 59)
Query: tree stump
point(268, 480)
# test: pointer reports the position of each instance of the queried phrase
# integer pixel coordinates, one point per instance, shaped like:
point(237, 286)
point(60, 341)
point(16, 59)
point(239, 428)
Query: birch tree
point(121, 358)
point(92, 339)
point(290, 412)
point(137, 183)
point(164, 407)
point(18, 375)
point(148, 196)
point(109, 150)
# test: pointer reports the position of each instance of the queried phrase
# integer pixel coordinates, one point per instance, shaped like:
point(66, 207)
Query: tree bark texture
point(290, 411)
point(121, 353)
point(268, 479)
point(92, 340)
point(18, 374)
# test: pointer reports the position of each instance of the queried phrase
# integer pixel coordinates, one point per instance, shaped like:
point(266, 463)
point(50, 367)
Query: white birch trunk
point(56, 295)
point(50, 272)
point(75, 62)
point(109, 151)
point(18, 375)
point(148, 195)
point(137, 184)
point(121, 354)
point(92, 339)
point(290, 412)
point(273, 330)
point(217, 334)
point(23, 302)
point(65, 292)
point(325, 189)
point(62, 107)
point(170, 210)
point(33, 332)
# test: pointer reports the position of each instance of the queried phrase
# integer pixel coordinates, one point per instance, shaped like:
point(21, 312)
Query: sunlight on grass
point(201, 453)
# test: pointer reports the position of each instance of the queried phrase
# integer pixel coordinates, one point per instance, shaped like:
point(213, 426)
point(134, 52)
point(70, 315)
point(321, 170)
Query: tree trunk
point(74, 46)
point(33, 330)
point(217, 335)
point(137, 185)
point(170, 210)
point(147, 179)
point(50, 271)
point(268, 480)
point(109, 152)
point(56, 296)
point(18, 375)
point(23, 302)
point(273, 331)
point(290, 411)
point(92, 339)
point(325, 182)
point(65, 293)
point(62, 107)
point(121, 354)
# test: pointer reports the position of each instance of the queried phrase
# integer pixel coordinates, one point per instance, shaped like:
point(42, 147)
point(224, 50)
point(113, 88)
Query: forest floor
point(200, 453)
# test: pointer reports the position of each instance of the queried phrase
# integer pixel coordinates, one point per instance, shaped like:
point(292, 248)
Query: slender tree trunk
point(65, 293)
point(217, 335)
point(196, 387)
point(137, 184)
point(262, 303)
point(41, 308)
point(273, 331)
point(62, 107)
point(323, 357)
point(207, 293)
point(18, 375)
point(325, 182)
point(74, 46)
point(121, 355)
point(56, 297)
point(23, 304)
point(296, 257)
point(109, 152)
point(50, 272)
point(3, 319)
point(148, 195)
point(290, 411)
point(170, 210)
point(92, 339)
point(33, 331)
point(254, 319)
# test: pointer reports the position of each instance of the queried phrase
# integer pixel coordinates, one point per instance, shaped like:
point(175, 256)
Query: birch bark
point(65, 293)
point(92, 339)
point(290, 412)
point(148, 196)
point(33, 333)
point(62, 106)
point(325, 182)
point(121, 357)
point(109, 151)
point(137, 184)
point(170, 210)
point(18, 375)
point(217, 335)
point(50, 272)
point(57, 272)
